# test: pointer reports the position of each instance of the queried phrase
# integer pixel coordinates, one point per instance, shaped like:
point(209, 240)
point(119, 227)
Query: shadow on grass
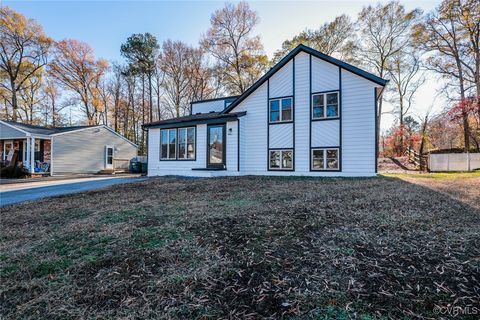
point(243, 247)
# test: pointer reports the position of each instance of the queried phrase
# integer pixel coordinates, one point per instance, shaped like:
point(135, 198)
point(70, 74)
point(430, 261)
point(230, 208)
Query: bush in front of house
point(13, 172)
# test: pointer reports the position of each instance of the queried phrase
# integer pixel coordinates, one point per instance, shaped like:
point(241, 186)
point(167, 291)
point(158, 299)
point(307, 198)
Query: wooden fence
point(420, 160)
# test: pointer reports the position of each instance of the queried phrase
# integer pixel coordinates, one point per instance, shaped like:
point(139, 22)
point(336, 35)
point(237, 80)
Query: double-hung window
point(281, 110)
point(325, 159)
point(325, 105)
point(177, 144)
point(281, 160)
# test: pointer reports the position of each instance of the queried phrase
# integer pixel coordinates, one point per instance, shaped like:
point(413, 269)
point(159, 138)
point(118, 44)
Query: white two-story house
point(310, 115)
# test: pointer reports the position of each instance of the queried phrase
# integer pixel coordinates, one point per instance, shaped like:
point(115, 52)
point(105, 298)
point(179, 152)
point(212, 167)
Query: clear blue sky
point(105, 25)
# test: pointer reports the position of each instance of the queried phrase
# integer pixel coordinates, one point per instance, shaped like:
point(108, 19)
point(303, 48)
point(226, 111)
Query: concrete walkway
point(21, 192)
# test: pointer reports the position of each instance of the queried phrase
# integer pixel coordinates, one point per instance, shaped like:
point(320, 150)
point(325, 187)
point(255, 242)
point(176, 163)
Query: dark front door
point(216, 146)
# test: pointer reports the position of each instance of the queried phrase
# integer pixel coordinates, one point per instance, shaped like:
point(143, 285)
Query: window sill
point(325, 119)
point(209, 169)
point(281, 122)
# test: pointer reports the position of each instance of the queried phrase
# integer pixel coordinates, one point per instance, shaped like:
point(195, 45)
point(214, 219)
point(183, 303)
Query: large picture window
point(281, 110)
point(177, 144)
point(281, 160)
point(325, 105)
point(325, 159)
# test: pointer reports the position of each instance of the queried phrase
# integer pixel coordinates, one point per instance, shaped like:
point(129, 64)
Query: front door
point(216, 146)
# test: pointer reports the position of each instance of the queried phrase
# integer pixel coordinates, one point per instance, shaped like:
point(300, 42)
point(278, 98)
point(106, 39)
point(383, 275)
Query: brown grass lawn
point(250, 247)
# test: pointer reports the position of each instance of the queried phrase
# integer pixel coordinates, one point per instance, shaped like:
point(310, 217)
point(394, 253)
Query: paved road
point(26, 193)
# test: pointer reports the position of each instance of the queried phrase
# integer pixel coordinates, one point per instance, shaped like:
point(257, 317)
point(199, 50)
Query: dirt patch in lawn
point(249, 247)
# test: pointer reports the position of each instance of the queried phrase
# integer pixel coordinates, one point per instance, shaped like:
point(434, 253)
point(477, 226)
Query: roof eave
point(185, 123)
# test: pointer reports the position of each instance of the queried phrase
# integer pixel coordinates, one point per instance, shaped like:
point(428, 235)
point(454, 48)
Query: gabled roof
point(30, 128)
point(211, 117)
point(315, 53)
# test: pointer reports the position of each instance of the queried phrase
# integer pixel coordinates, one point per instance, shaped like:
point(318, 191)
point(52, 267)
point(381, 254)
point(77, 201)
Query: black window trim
point(176, 144)
point(280, 111)
point(324, 93)
point(281, 149)
point(338, 169)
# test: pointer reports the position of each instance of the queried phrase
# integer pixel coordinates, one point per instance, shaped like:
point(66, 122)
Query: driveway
point(21, 192)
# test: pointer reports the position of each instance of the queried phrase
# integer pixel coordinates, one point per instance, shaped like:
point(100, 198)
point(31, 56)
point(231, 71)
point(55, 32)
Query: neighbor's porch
point(34, 153)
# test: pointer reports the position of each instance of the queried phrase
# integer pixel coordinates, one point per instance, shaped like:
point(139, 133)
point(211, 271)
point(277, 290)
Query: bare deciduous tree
point(229, 40)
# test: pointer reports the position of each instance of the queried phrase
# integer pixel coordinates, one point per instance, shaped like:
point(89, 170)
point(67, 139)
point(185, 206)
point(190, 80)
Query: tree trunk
point(150, 94)
point(14, 100)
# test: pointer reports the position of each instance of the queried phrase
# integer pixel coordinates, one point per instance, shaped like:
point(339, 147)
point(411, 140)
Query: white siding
point(281, 135)
point(83, 151)
point(157, 167)
point(281, 83)
point(302, 113)
point(325, 133)
point(253, 142)
point(208, 106)
point(358, 124)
point(232, 146)
point(325, 76)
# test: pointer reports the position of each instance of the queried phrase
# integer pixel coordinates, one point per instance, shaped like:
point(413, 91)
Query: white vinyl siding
point(355, 142)
point(281, 135)
point(159, 167)
point(302, 113)
point(358, 123)
point(281, 82)
point(325, 133)
point(253, 141)
point(208, 106)
point(325, 76)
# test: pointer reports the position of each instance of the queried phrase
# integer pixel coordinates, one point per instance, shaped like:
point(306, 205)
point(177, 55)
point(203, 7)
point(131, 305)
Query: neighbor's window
point(325, 105)
point(281, 160)
point(186, 143)
point(109, 155)
point(168, 138)
point(325, 159)
point(281, 110)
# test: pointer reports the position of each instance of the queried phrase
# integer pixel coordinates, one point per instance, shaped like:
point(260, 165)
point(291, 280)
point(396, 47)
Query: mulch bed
point(244, 248)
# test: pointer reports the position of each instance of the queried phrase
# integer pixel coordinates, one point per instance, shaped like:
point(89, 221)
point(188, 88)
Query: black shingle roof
point(212, 117)
point(44, 130)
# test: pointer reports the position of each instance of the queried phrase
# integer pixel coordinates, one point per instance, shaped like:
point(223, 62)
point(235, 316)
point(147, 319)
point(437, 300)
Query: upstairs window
point(281, 110)
point(325, 105)
point(325, 159)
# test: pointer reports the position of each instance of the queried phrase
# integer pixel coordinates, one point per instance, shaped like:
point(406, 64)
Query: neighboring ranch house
point(310, 115)
point(82, 149)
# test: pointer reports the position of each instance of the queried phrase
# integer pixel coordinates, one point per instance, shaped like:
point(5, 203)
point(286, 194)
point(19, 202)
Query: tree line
point(40, 77)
